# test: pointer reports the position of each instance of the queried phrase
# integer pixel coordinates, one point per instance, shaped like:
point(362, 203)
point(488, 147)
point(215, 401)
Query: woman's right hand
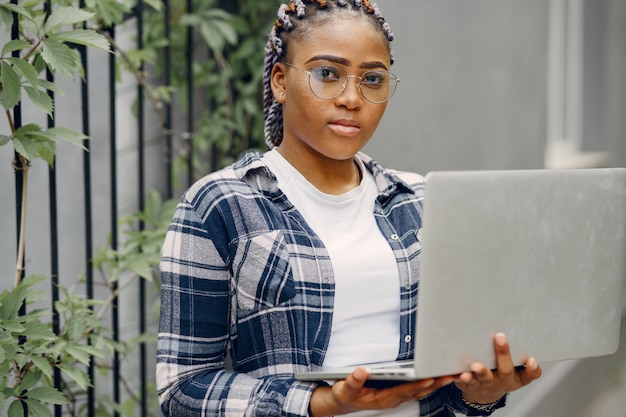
point(351, 394)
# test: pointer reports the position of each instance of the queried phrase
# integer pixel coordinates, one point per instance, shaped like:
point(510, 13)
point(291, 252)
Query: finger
point(356, 380)
point(504, 361)
point(481, 373)
point(530, 372)
point(467, 378)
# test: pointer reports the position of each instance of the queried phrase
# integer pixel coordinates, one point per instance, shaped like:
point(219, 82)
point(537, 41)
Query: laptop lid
point(536, 254)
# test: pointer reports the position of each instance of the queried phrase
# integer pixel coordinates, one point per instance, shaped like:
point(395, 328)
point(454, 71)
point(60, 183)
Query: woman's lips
point(345, 127)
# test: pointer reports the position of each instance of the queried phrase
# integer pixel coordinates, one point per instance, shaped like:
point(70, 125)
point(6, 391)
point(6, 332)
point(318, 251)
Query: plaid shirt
point(248, 286)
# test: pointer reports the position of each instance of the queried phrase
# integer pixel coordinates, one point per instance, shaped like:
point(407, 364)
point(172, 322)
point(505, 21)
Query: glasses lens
point(327, 82)
point(378, 86)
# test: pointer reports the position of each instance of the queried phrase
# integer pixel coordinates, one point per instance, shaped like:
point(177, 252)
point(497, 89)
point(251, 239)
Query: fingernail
point(500, 339)
point(476, 368)
point(532, 364)
point(360, 374)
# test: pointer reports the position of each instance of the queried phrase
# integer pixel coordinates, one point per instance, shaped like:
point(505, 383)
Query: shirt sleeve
point(453, 399)
point(194, 332)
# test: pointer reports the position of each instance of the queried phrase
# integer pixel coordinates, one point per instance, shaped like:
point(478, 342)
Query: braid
point(293, 15)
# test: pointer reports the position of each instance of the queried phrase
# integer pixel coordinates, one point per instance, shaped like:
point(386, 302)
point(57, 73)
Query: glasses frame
point(345, 85)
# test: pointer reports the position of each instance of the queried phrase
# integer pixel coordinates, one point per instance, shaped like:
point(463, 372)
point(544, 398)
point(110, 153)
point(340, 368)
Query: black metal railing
point(85, 120)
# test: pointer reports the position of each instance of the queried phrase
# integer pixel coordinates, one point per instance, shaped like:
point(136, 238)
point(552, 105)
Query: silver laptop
point(536, 254)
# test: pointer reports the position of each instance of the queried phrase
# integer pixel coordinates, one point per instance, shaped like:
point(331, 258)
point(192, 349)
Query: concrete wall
point(473, 85)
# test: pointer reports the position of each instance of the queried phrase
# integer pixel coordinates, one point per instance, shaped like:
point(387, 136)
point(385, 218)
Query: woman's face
point(338, 128)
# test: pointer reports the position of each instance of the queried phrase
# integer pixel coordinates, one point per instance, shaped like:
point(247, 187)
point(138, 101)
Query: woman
point(307, 255)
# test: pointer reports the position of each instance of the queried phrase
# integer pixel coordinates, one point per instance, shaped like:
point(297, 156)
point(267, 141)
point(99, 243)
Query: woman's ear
point(277, 82)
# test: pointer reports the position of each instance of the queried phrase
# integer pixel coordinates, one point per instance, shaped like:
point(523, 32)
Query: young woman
point(306, 256)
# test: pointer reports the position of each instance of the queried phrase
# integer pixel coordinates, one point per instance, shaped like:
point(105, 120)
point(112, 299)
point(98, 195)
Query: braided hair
point(304, 16)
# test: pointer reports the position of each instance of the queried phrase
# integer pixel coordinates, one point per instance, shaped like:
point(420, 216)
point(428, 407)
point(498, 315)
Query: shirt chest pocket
point(262, 272)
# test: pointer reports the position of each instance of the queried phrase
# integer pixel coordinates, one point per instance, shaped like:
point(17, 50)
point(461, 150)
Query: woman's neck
point(330, 176)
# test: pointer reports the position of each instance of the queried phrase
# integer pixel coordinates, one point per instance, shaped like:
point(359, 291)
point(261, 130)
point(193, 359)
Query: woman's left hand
point(484, 386)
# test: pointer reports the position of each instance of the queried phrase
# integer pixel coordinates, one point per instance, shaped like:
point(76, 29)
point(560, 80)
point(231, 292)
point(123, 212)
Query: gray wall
point(473, 85)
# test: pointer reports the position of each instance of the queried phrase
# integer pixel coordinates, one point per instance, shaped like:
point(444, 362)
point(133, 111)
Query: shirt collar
point(251, 169)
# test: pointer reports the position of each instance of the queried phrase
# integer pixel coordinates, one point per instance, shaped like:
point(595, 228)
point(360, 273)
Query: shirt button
point(407, 338)
point(379, 210)
point(394, 237)
point(407, 286)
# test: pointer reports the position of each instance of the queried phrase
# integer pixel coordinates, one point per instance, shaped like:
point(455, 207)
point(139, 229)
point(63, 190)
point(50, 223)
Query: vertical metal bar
point(88, 208)
point(167, 73)
point(115, 322)
point(190, 93)
point(19, 180)
point(141, 185)
point(54, 240)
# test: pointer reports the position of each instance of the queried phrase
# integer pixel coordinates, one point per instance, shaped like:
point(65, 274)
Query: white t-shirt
point(366, 313)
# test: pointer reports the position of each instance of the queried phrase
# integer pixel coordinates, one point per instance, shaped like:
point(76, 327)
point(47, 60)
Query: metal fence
point(107, 89)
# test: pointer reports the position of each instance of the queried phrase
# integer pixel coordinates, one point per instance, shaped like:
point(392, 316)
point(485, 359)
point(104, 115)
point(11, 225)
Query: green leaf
point(4, 140)
point(43, 365)
point(38, 330)
point(45, 84)
point(3, 399)
point(6, 19)
point(75, 328)
point(85, 37)
point(72, 136)
point(37, 409)
point(227, 31)
point(142, 266)
point(34, 143)
point(78, 354)
point(14, 45)
point(82, 353)
point(17, 9)
point(10, 94)
point(16, 409)
point(11, 302)
point(31, 379)
point(111, 11)
point(40, 99)
point(13, 326)
point(65, 16)
point(26, 70)
point(60, 57)
point(77, 375)
point(212, 36)
point(25, 143)
point(47, 395)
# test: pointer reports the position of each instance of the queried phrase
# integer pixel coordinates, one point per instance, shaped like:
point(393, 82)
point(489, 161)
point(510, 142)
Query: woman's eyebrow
point(331, 58)
point(343, 61)
point(373, 65)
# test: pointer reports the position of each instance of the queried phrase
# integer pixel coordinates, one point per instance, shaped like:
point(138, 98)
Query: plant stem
point(24, 166)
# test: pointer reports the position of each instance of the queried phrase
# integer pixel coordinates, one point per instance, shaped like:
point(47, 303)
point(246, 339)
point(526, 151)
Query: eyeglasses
point(328, 82)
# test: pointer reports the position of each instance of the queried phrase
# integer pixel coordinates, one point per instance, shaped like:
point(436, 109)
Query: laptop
point(535, 254)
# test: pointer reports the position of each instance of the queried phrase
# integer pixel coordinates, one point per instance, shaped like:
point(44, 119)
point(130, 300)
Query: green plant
point(227, 68)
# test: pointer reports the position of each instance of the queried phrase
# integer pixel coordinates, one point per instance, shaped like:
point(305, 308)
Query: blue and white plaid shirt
point(244, 276)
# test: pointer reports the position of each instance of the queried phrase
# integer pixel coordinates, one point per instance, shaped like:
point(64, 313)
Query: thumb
point(356, 380)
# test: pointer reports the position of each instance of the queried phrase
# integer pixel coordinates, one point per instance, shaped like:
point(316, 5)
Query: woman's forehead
point(355, 39)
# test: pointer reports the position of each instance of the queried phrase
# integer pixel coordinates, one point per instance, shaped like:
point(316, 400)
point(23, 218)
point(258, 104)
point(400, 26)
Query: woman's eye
point(326, 73)
point(373, 79)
